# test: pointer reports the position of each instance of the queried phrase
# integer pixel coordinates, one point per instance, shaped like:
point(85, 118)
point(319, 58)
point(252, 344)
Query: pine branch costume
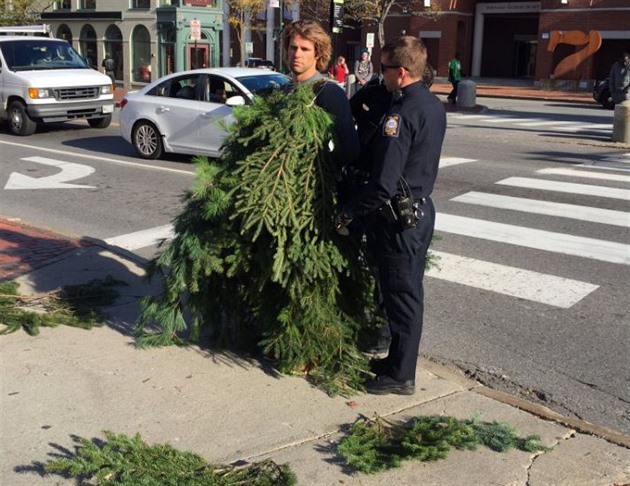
point(256, 259)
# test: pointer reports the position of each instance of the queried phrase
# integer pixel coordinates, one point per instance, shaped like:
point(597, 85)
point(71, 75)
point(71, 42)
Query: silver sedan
point(186, 112)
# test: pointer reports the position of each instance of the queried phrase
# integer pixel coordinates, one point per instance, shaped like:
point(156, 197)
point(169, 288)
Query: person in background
point(339, 71)
point(619, 79)
point(109, 66)
point(397, 209)
point(363, 69)
point(454, 77)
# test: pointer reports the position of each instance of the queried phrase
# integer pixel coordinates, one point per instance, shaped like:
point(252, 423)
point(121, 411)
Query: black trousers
point(400, 258)
point(453, 94)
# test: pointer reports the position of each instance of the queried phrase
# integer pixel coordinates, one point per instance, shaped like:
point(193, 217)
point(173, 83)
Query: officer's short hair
point(409, 52)
point(314, 32)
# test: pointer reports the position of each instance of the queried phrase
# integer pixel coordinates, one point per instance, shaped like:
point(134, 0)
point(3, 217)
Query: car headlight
point(107, 89)
point(40, 93)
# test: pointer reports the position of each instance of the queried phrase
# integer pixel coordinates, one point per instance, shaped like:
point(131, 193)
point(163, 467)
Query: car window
point(22, 55)
point(218, 90)
point(264, 84)
point(182, 87)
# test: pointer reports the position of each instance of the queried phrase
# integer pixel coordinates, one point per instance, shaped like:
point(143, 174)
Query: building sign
point(369, 40)
point(336, 16)
point(195, 30)
point(508, 7)
point(200, 3)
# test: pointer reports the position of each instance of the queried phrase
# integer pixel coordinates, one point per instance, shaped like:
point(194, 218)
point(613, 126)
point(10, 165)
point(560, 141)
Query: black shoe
point(384, 384)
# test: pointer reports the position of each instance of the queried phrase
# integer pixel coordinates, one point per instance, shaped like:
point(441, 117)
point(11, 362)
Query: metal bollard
point(466, 94)
point(350, 87)
point(621, 122)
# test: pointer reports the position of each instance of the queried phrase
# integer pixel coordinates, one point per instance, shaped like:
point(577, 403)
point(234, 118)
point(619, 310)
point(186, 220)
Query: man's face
point(625, 60)
point(390, 74)
point(302, 58)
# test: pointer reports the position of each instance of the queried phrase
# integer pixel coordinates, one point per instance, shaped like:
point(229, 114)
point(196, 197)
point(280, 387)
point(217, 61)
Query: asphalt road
point(533, 299)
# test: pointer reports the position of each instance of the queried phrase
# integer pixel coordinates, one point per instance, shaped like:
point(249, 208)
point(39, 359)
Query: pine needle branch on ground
point(128, 461)
point(375, 445)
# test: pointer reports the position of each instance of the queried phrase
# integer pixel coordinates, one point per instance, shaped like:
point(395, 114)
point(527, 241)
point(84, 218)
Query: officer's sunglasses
point(384, 67)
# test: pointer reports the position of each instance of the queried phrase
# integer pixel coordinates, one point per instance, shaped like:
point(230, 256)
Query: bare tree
point(22, 12)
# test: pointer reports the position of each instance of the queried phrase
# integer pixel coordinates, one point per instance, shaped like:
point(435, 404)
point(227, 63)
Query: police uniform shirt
point(409, 144)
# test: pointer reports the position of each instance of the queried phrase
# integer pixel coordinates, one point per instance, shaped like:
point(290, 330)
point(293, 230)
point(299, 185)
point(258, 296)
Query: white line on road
point(607, 251)
point(572, 211)
point(503, 119)
point(96, 157)
point(567, 187)
point(586, 126)
point(142, 239)
point(449, 161)
point(589, 175)
point(544, 123)
point(516, 282)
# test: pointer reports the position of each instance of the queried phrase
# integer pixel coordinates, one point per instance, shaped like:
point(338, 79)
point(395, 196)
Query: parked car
point(257, 62)
point(601, 94)
point(186, 112)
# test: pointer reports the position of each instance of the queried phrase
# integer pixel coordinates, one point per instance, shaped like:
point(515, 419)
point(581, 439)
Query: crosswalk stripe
point(512, 281)
point(504, 119)
point(143, 238)
point(607, 251)
point(472, 117)
point(545, 123)
point(567, 187)
point(449, 161)
point(589, 175)
point(561, 210)
point(587, 126)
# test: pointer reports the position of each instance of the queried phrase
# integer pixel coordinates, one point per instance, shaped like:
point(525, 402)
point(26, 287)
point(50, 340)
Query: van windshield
point(41, 54)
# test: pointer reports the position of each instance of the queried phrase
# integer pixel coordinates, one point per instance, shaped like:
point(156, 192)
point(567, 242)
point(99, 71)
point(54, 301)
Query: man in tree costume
point(256, 261)
point(397, 209)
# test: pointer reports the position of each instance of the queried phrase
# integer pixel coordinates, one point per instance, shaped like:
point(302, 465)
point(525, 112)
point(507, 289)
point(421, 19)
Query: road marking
point(69, 172)
point(606, 251)
point(589, 175)
point(512, 281)
point(143, 238)
point(587, 126)
point(449, 161)
point(567, 187)
point(502, 119)
point(96, 157)
point(545, 123)
point(472, 117)
point(561, 210)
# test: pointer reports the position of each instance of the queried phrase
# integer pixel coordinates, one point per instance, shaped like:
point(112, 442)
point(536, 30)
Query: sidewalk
point(490, 89)
point(69, 382)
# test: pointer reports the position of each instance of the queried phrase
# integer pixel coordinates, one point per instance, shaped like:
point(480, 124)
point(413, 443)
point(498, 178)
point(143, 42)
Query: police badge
point(391, 126)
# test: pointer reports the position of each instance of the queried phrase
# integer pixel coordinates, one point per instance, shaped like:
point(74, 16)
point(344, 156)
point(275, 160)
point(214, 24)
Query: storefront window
point(141, 4)
point(167, 48)
point(113, 47)
point(141, 55)
point(64, 32)
point(87, 45)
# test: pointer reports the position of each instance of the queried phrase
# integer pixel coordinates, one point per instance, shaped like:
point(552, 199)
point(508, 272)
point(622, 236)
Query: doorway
point(197, 56)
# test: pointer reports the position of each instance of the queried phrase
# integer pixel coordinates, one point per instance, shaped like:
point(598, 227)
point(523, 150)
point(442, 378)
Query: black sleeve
point(333, 99)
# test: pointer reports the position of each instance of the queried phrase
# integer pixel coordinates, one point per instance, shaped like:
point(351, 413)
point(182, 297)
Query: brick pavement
point(24, 248)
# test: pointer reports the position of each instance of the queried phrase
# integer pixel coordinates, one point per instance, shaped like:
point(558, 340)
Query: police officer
point(308, 50)
point(397, 208)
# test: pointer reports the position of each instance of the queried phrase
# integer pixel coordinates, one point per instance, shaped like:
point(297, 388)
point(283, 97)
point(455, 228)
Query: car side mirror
point(235, 101)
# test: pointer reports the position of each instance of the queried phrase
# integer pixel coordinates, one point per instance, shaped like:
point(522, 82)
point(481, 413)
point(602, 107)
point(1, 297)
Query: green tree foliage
point(256, 260)
point(128, 461)
point(376, 445)
point(22, 12)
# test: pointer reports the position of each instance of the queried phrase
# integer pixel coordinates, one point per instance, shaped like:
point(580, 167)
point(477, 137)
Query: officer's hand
point(341, 224)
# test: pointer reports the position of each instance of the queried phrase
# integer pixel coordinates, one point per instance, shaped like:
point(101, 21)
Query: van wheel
point(100, 122)
point(147, 140)
point(18, 120)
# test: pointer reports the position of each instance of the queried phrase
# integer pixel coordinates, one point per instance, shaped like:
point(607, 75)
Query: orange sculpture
point(569, 64)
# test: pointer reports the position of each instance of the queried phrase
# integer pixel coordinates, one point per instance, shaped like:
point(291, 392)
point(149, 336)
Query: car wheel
point(100, 122)
point(18, 120)
point(147, 140)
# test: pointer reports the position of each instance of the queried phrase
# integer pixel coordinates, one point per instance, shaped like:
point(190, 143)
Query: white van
point(44, 80)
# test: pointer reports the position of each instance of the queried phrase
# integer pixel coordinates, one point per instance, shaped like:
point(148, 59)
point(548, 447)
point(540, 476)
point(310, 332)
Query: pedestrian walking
point(619, 79)
point(454, 77)
point(397, 209)
point(109, 65)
